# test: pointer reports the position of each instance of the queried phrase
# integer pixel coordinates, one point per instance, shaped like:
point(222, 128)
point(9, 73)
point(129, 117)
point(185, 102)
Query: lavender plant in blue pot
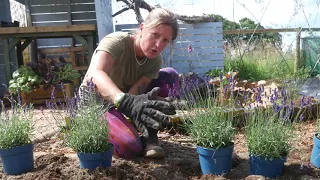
point(87, 132)
point(16, 148)
point(315, 155)
point(211, 126)
point(268, 133)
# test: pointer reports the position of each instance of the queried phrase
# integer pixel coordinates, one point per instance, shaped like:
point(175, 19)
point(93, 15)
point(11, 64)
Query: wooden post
point(33, 54)
point(7, 59)
point(19, 52)
point(297, 63)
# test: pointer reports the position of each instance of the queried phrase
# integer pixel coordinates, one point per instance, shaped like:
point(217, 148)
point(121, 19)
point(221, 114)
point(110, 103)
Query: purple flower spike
point(302, 101)
point(301, 117)
point(53, 97)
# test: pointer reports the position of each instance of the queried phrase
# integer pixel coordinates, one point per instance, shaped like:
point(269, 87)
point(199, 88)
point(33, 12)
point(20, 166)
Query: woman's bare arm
point(98, 70)
point(140, 86)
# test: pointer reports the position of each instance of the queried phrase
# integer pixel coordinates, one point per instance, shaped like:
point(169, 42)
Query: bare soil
point(54, 161)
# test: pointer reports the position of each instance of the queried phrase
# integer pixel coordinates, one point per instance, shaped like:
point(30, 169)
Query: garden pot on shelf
point(315, 155)
point(267, 168)
point(17, 160)
point(94, 160)
point(215, 161)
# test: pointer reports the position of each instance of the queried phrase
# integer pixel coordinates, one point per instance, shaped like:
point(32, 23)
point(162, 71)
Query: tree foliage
point(247, 23)
point(244, 23)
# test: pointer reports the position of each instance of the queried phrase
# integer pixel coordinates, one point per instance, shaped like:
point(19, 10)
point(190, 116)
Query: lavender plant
point(16, 125)
point(209, 123)
point(84, 128)
point(269, 129)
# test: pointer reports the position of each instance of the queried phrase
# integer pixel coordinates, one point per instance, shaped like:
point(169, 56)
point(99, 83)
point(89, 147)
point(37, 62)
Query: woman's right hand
point(146, 112)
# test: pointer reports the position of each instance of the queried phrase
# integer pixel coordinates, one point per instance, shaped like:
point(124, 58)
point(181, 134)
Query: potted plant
point(24, 80)
point(86, 132)
point(315, 155)
point(52, 74)
point(16, 148)
point(268, 132)
point(211, 126)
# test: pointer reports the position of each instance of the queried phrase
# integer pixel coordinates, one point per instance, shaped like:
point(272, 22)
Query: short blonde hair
point(162, 16)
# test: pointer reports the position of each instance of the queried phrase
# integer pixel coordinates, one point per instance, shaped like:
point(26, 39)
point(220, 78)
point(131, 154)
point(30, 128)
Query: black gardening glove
point(146, 112)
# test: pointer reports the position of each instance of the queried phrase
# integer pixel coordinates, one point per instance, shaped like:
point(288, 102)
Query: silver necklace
point(140, 63)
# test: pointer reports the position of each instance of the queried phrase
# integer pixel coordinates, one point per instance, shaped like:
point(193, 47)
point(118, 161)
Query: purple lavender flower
point(53, 96)
point(48, 104)
point(301, 117)
point(207, 79)
point(231, 79)
point(302, 101)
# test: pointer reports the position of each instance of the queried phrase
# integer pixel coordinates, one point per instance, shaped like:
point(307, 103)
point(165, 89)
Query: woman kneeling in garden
point(124, 67)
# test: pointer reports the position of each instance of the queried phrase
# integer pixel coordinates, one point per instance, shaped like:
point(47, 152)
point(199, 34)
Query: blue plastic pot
point(315, 155)
point(94, 160)
point(215, 161)
point(17, 160)
point(266, 167)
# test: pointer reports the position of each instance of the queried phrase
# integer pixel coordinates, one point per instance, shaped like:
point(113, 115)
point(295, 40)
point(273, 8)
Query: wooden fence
point(206, 41)
point(298, 32)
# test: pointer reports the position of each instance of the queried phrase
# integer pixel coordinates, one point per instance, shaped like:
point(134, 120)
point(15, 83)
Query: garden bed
point(54, 161)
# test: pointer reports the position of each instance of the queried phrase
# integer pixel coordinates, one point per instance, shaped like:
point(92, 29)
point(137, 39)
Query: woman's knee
point(169, 82)
point(123, 135)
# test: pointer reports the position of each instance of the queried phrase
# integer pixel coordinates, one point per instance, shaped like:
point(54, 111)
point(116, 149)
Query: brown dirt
point(53, 161)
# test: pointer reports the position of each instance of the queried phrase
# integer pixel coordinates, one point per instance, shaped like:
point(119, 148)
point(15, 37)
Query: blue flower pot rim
point(216, 148)
point(263, 157)
point(16, 149)
point(111, 148)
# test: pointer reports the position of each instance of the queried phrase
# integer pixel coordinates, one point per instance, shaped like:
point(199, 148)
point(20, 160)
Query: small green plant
point(211, 128)
point(66, 74)
point(16, 125)
point(214, 72)
point(24, 80)
point(268, 132)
